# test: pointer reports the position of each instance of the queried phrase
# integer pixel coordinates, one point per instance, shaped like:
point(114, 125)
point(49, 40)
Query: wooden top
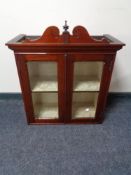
point(52, 40)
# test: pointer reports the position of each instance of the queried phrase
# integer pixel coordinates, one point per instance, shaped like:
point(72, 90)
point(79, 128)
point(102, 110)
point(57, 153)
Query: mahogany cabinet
point(64, 77)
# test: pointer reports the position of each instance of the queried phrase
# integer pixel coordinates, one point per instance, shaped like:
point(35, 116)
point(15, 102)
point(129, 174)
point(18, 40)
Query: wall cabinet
point(64, 78)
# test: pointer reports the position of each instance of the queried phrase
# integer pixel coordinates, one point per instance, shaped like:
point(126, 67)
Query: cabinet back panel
point(88, 68)
point(42, 68)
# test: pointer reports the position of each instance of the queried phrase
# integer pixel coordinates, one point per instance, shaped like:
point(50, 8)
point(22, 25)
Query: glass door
point(86, 86)
point(47, 86)
point(44, 87)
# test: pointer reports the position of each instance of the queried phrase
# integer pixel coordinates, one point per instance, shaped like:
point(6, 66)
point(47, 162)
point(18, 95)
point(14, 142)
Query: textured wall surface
point(32, 17)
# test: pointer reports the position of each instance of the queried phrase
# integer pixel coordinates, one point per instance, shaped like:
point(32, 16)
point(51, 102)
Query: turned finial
point(65, 27)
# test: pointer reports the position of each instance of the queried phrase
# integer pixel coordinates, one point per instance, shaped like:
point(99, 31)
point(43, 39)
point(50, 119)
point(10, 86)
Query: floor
point(66, 149)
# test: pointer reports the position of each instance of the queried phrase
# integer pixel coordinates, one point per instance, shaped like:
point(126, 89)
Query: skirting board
point(19, 95)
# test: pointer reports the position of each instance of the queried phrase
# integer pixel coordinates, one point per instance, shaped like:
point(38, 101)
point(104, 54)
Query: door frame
point(21, 60)
point(108, 60)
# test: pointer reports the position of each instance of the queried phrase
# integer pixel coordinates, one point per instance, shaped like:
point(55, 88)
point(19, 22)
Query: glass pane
point(43, 76)
point(87, 76)
point(45, 105)
point(84, 105)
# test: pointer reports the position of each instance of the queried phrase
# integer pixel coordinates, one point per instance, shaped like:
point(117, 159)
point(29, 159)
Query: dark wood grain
point(52, 41)
point(52, 35)
point(65, 49)
point(59, 59)
point(25, 86)
point(105, 82)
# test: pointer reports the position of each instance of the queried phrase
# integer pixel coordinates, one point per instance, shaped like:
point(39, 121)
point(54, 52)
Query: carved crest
point(52, 35)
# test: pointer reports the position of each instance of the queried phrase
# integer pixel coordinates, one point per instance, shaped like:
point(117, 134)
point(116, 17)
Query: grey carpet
point(65, 149)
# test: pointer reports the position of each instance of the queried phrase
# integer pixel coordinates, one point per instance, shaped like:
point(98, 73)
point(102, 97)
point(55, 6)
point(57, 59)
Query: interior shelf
point(82, 110)
point(45, 105)
point(40, 84)
point(43, 76)
point(84, 105)
point(87, 76)
point(84, 83)
point(46, 111)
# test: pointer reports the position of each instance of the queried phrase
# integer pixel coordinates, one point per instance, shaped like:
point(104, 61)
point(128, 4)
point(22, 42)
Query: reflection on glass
point(45, 105)
point(87, 76)
point(84, 105)
point(43, 76)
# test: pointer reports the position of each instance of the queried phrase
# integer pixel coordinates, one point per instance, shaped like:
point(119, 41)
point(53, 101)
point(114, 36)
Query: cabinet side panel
point(105, 83)
point(25, 87)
